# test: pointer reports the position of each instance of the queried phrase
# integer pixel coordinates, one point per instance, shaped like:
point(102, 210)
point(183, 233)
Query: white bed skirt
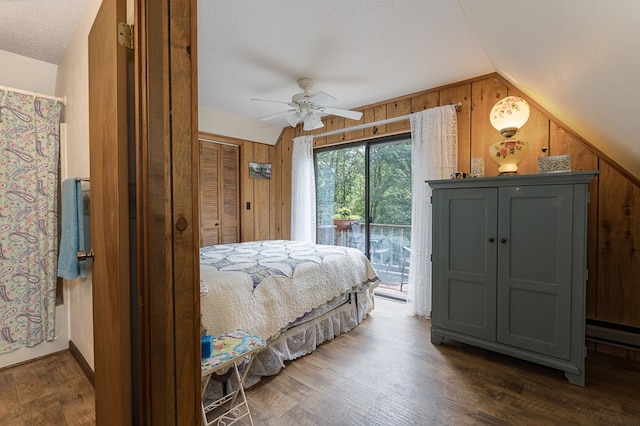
point(303, 339)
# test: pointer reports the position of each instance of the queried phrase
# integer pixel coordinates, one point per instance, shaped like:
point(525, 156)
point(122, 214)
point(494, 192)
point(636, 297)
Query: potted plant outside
point(343, 218)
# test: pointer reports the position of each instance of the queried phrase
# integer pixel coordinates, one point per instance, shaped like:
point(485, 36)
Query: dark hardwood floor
point(387, 372)
point(384, 372)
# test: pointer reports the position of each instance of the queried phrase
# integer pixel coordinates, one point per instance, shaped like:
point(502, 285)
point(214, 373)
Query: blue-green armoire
point(509, 266)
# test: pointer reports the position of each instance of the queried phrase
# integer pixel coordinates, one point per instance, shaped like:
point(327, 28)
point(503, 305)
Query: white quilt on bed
point(262, 286)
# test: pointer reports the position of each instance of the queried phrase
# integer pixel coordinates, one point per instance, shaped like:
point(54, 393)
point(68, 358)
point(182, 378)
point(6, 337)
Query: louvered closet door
point(209, 211)
point(230, 189)
point(219, 194)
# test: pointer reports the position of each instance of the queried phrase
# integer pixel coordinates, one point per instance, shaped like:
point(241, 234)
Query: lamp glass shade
point(511, 112)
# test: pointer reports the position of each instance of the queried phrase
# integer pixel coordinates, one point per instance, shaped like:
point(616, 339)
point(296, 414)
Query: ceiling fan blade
point(276, 102)
point(353, 115)
point(278, 115)
point(321, 98)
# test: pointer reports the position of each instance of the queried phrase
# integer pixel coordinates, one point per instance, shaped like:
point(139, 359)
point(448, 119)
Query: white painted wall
point(28, 74)
point(227, 124)
point(73, 82)
point(23, 73)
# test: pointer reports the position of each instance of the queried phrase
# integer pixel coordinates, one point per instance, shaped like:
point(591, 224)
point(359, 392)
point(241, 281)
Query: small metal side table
point(230, 351)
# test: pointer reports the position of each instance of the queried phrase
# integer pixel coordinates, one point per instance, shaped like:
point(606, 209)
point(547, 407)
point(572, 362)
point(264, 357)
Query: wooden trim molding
point(82, 362)
point(167, 201)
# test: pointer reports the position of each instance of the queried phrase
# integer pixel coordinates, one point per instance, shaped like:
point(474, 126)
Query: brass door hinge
point(125, 35)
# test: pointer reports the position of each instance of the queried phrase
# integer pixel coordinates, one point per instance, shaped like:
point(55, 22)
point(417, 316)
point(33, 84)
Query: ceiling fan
point(308, 108)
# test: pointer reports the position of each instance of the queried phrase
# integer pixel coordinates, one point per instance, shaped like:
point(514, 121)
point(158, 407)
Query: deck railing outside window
point(393, 237)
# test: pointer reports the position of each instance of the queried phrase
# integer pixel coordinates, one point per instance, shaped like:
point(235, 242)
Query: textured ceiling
point(359, 51)
point(39, 29)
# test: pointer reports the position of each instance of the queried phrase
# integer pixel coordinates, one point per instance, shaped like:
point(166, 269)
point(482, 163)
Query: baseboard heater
point(624, 336)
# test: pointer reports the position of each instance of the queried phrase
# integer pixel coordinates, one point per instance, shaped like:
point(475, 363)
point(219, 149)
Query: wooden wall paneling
point(368, 116)
point(424, 101)
point(452, 95)
point(618, 256)
point(561, 142)
point(536, 133)
point(317, 142)
point(354, 134)
point(261, 196)
point(285, 202)
point(299, 131)
point(484, 94)
point(375, 113)
point(334, 123)
point(247, 216)
point(397, 109)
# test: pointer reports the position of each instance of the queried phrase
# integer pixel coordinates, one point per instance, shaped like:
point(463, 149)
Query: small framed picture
point(260, 170)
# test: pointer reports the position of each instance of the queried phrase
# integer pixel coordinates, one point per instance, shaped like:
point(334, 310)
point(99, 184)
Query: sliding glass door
point(340, 189)
point(364, 201)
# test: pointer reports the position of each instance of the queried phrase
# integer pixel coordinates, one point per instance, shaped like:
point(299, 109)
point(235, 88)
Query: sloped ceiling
point(578, 59)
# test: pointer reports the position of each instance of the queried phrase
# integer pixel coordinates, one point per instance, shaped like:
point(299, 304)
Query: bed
point(294, 295)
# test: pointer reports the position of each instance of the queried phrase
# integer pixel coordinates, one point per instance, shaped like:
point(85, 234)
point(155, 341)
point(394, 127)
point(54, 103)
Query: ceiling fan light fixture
point(293, 119)
point(312, 121)
point(308, 107)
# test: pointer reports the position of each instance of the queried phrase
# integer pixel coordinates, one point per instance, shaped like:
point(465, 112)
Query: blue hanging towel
point(72, 233)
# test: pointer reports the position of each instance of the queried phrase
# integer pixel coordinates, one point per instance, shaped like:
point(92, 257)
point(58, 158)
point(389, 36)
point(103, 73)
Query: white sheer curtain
point(303, 191)
point(434, 153)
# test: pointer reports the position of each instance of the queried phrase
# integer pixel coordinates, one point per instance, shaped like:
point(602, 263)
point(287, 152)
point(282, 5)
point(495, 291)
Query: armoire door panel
point(466, 261)
point(534, 271)
point(467, 307)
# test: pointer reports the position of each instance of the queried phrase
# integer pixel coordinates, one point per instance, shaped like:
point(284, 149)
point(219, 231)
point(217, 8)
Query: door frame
point(168, 308)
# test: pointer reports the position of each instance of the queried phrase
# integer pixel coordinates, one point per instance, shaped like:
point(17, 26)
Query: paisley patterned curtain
point(29, 147)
